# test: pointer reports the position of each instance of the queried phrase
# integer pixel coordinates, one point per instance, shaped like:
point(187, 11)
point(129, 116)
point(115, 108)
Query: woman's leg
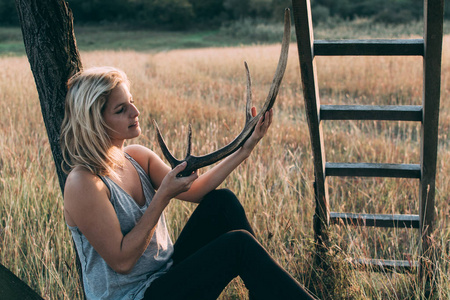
point(218, 213)
point(205, 274)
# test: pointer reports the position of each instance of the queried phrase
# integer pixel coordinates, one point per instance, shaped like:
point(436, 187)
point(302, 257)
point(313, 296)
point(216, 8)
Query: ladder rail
point(433, 16)
point(305, 44)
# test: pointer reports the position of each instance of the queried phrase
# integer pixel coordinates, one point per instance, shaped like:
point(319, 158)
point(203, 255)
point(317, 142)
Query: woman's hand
point(260, 130)
point(211, 179)
point(172, 186)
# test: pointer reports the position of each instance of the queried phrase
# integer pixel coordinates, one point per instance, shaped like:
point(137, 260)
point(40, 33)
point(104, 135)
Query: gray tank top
point(102, 282)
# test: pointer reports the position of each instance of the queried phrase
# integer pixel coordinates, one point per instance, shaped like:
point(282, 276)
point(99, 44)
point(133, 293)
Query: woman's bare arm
point(216, 175)
point(210, 180)
point(87, 206)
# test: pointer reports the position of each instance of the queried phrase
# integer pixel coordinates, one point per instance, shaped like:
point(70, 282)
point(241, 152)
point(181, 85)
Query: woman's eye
point(120, 111)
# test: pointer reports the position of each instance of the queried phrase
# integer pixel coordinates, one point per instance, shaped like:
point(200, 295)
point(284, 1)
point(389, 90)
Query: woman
point(115, 197)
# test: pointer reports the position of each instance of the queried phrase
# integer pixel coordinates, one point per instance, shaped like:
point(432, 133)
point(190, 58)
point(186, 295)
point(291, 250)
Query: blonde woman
point(114, 203)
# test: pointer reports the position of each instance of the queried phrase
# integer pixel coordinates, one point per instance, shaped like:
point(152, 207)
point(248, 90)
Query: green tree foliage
point(8, 14)
point(386, 11)
point(162, 13)
point(184, 13)
point(261, 9)
point(208, 10)
point(98, 10)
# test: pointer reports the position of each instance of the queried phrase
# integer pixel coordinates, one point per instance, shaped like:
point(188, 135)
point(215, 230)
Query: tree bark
point(47, 29)
point(11, 287)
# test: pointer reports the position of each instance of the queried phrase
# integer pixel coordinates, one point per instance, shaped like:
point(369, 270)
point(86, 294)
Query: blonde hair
point(84, 140)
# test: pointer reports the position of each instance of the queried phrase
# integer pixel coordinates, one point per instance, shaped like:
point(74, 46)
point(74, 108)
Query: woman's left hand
point(212, 178)
point(260, 130)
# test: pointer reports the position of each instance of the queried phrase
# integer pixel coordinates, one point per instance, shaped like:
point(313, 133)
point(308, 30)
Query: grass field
point(206, 87)
point(245, 32)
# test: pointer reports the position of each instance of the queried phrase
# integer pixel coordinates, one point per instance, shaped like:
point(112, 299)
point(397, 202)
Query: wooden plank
point(376, 220)
point(374, 47)
point(371, 112)
point(433, 32)
point(383, 265)
point(373, 170)
point(305, 40)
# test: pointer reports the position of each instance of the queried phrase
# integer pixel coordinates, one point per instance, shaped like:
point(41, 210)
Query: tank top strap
point(145, 179)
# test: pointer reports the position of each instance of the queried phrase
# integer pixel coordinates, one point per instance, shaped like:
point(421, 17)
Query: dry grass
point(206, 88)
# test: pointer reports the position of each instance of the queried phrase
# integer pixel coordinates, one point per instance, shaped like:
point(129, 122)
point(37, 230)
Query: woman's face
point(121, 115)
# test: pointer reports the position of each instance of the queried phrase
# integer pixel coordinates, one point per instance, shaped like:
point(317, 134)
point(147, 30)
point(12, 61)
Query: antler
point(197, 162)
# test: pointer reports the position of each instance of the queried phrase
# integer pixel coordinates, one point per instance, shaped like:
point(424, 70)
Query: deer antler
point(197, 162)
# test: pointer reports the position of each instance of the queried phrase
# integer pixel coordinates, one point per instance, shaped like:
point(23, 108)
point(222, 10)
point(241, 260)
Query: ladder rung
point(378, 47)
point(373, 170)
point(371, 112)
point(383, 265)
point(376, 220)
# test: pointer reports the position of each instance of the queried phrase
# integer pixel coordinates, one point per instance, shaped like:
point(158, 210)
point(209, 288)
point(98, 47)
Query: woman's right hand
point(172, 186)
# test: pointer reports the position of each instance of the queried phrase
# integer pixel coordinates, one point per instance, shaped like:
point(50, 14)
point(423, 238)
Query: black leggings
point(216, 245)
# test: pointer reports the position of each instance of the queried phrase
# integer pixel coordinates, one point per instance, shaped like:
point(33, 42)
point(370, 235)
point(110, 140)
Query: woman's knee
point(243, 242)
point(220, 194)
point(240, 236)
point(224, 208)
point(219, 202)
point(223, 198)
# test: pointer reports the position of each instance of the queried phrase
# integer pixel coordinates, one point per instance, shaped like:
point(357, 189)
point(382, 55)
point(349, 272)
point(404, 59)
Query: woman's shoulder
point(142, 155)
point(80, 173)
point(81, 180)
point(137, 150)
point(82, 189)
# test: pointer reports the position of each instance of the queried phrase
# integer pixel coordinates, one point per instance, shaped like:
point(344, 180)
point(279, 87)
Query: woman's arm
point(157, 169)
point(87, 206)
point(216, 175)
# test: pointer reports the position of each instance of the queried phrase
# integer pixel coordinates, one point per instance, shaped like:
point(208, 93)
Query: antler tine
point(281, 67)
point(170, 158)
point(197, 162)
point(248, 106)
point(189, 141)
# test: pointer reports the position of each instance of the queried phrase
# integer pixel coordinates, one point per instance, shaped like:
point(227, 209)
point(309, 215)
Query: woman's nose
point(135, 111)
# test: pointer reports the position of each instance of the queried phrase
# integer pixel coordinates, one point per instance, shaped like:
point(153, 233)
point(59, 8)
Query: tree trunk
point(47, 28)
point(11, 287)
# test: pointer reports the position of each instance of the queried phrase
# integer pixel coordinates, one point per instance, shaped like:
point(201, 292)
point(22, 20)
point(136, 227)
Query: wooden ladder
point(430, 48)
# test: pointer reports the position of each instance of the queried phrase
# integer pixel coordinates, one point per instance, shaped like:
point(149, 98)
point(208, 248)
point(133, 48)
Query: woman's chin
point(138, 132)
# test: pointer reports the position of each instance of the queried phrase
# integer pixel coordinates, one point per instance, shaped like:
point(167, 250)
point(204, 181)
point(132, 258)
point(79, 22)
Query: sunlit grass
point(206, 88)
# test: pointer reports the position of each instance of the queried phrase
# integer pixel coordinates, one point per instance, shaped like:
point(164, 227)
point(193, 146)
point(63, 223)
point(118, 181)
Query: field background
point(206, 87)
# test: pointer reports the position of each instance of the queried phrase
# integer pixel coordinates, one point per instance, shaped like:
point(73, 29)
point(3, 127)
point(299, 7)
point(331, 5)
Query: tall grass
point(206, 88)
